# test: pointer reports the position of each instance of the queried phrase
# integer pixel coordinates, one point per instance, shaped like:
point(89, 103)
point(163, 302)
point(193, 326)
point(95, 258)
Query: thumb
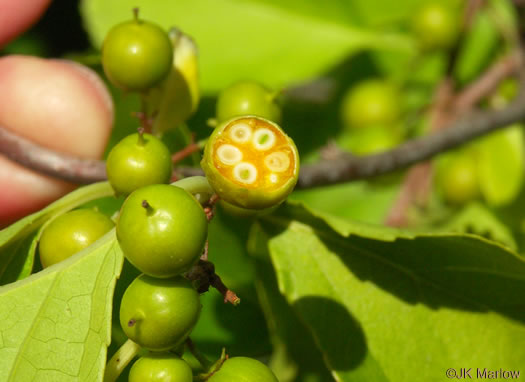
point(18, 15)
point(59, 105)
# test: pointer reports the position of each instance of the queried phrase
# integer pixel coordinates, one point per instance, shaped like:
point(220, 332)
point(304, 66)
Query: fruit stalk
point(120, 360)
point(196, 185)
point(205, 362)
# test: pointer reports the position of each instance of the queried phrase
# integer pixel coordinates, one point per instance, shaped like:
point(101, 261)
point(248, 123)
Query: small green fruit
point(70, 233)
point(435, 25)
point(251, 163)
point(136, 161)
point(162, 230)
point(457, 178)
point(247, 98)
point(243, 369)
point(160, 367)
point(500, 164)
point(136, 55)
point(159, 314)
point(370, 103)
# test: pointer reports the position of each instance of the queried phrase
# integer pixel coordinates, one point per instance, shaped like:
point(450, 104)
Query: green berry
point(370, 103)
point(136, 55)
point(160, 367)
point(136, 161)
point(435, 25)
point(243, 369)
point(251, 163)
point(457, 178)
point(162, 230)
point(247, 98)
point(70, 233)
point(159, 314)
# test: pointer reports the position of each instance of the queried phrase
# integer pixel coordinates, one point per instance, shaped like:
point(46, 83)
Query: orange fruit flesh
point(260, 158)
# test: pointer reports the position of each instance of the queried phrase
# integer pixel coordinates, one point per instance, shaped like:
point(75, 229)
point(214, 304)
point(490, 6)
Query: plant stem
point(120, 360)
point(228, 295)
point(205, 362)
point(185, 152)
point(325, 172)
point(203, 273)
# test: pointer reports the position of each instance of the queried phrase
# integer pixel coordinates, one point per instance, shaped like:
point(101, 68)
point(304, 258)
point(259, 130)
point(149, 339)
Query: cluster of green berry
point(250, 163)
point(489, 169)
point(371, 110)
point(372, 113)
point(162, 229)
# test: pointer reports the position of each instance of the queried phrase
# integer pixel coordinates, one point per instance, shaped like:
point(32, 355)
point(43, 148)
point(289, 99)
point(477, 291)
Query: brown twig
point(185, 152)
point(344, 168)
point(336, 169)
point(487, 83)
point(209, 209)
point(228, 295)
point(418, 180)
point(417, 185)
point(49, 162)
point(447, 108)
point(348, 167)
point(146, 122)
point(203, 275)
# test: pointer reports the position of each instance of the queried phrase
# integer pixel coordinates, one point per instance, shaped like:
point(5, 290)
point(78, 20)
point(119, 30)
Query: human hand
point(55, 103)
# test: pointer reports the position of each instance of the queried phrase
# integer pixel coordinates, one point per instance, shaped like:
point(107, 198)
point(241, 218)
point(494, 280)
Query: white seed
point(277, 161)
point(245, 172)
point(274, 178)
point(241, 132)
point(263, 139)
point(229, 154)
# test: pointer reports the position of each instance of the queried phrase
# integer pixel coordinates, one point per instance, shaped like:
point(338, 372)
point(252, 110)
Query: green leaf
point(501, 165)
point(16, 258)
point(296, 356)
point(364, 201)
point(381, 12)
point(379, 301)
point(506, 18)
point(478, 49)
point(479, 220)
point(55, 324)
point(276, 42)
